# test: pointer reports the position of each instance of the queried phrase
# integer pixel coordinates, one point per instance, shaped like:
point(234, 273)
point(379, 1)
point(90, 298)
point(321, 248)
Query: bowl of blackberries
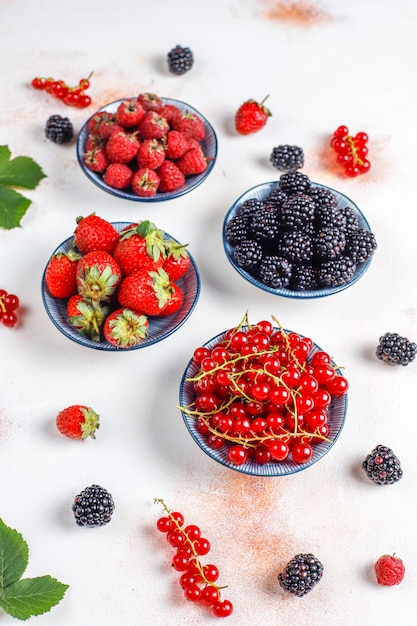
point(297, 238)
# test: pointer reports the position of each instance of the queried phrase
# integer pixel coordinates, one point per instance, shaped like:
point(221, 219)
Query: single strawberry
point(118, 175)
point(251, 117)
point(389, 570)
point(109, 126)
point(95, 233)
point(122, 147)
point(150, 101)
point(96, 160)
point(190, 125)
point(192, 162)
point(170, 175)
point(176, 144)
point(174, 303)
point(145, 291)
point(169, 111)
point(78, 422)
point(140, 246)
point(145, 182)
point(153, 126)
point(124, 328)
point(85, 317)
point(98, 276)
point(178, 260)
point(151, 154)
point(60, 274)
point(130, 113)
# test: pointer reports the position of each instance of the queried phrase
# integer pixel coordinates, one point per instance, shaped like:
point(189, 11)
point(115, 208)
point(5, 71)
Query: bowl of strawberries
point(118, 286)
point(147, 148)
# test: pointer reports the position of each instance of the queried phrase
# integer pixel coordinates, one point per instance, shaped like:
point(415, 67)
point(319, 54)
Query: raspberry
point(176, 144)
point(59, 129)
point(248, 254)
point(171, 177)
point(301, 574)
point(180, 60)
point(121, 147)
point(145, 182)
point(151, 153)
point(285, 157)
point(94, 506)
point(192, 162)
point(389, 570)
point(275, 271)
point(382, 466)
point(396, 350)
point(118, 175)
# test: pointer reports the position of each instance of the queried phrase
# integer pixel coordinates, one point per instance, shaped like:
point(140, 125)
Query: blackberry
point(180, 60)
point(351, 219)
point(236, 229)
point(248, 254)
point(297, 213)
point(301, 574)
point(329, 217)
point(323, 197)
point(304, 278)
point(296, 246)
point(329, 243)
point(382, 466)
point(285, 157)
point(275, 271)
point(59, 129)
point(276, 198)
point(294, 182)
point(250, 206)
point(362, 244)
point(94, 506)
point(264, 224)
point(396, 350)
point(337, 272)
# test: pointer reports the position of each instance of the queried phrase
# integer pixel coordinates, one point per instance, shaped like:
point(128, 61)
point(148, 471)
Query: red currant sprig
point(351, 151)
point(72, 96)
point(197, 581)
point(8, 305)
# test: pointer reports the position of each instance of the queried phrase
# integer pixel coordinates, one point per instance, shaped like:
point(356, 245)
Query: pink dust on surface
point(295, 13)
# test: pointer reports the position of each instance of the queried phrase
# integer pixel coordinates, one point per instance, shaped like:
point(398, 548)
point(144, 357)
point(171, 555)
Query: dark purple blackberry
point(329, 217)
point(351, 219)
point(361, 245)
point(396, 350)
point(304, 278)
point(301, 574)
point(236, 229)
point(297, 213)
point(265, 224)
point(250, 206)
point(274, 271)
point(286, 157)
point(276, 198)
point(296, 246)
point(294, 182)
point(248, 254)
point(94, 506)
point(323, 197)
point(59, 129)
point(382, 466)
point(180, 60)
point(329, 243)
point(337, 272)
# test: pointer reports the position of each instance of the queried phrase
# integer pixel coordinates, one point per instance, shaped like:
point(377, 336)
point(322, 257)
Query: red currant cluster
point(351, 151)
point(265, 393)
point(198, 581)
point(73, 96)
point(8, 305)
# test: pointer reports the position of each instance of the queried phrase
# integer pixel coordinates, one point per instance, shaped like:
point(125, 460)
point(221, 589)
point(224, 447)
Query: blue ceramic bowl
point(159, 328)
point(336, 420)
point(260, 192)
point(209, 146)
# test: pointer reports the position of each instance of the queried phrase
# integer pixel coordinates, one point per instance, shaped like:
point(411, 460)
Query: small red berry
point(389, 570)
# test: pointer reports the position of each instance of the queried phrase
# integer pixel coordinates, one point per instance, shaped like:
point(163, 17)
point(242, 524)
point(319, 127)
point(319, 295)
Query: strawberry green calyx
point(154, 238)
point(98, 286)
point(176, 250)
point(89, 319)
point(161, 286)
point(91, 423)
point(126, 329)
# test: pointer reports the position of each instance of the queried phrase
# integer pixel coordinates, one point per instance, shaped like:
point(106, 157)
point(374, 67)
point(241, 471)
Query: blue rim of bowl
point(260, 192)
point(209, 145)
point(159, 328)
point(336, 421)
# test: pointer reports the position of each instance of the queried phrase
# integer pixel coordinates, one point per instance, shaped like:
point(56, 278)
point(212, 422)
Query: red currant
point(192, 592)
point(164, 524)
point(301, 452)
point(209, 595)
point(38, 83)
point(279, 450)
point(202, 546)
point(237, 455)
point(223, 608)
point(211, 572)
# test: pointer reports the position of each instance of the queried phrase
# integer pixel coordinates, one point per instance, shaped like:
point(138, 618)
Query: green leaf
point(21, 172)
point(13, 206)
point(32, 596)
point(14, 555)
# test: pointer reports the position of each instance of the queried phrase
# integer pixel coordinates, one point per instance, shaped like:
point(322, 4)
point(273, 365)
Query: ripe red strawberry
point(109, 126)
point(95, 233)
point(85, 317)
point(153, 126)
point(145, 291)
point(389, 570)
point(98, 276)
point(251, 117)
point(176, 144)
point(122, 147)
point(60, 274)
point(192, 162)
point(151, 154)
point(118, 175)
point(150, 102)
point(130, 113)
point(174, 303)
point(190, 125)
point(124, 328)
point(141, 246)
point(178, 260)
point(145, 182)
point(96, 160)
point(78, 422)
point(170, 175)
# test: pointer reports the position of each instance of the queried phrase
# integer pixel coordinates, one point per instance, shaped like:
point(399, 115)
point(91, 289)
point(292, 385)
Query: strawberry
point(176, 144)
point(60, 274)
point(150, 102)
point(78, 422)
point(145, 291)
point(86, 318)
point(95, 233)
point(178, 260)
point(251, 117)
point(151, 154)
point(124, 328)
point(98, 276)
point(192, 162)
point(174, 303)
point(190, 125)
point(122, 147)
point(170, 175)
point(96, 160)
point(141, 246)
point(153, 126)
point(118, 175)
point(145, 182)
point(130, 113)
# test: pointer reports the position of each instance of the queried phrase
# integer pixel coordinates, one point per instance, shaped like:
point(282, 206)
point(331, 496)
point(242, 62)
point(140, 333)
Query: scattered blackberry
point(59, 129)
point(337, 272)
point(301, 574)
point(275, 272)
point(248, 254)
point(294, 182)
point(351, 219)
point(180, 60)
point(396, 350)
point(297, 213)
point(329, 243)
point(276, 198)
point(296, 246)
point(382, 466)
point(264, 224)
point(250, 206)
point(236, 229)
point(304, 278)
point(94, 506)
point(285, 157)
point(362, 244)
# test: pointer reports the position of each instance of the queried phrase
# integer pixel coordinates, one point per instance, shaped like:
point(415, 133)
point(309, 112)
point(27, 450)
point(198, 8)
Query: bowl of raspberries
point(119, 286)
point(298, 239)
point(147, 148)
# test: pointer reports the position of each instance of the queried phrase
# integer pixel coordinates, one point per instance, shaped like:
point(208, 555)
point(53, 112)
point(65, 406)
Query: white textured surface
point(351, 63)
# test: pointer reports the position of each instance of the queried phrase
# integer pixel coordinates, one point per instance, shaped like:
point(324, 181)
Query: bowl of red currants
point(147, 148)
point(263, 400)
point(298, 239)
